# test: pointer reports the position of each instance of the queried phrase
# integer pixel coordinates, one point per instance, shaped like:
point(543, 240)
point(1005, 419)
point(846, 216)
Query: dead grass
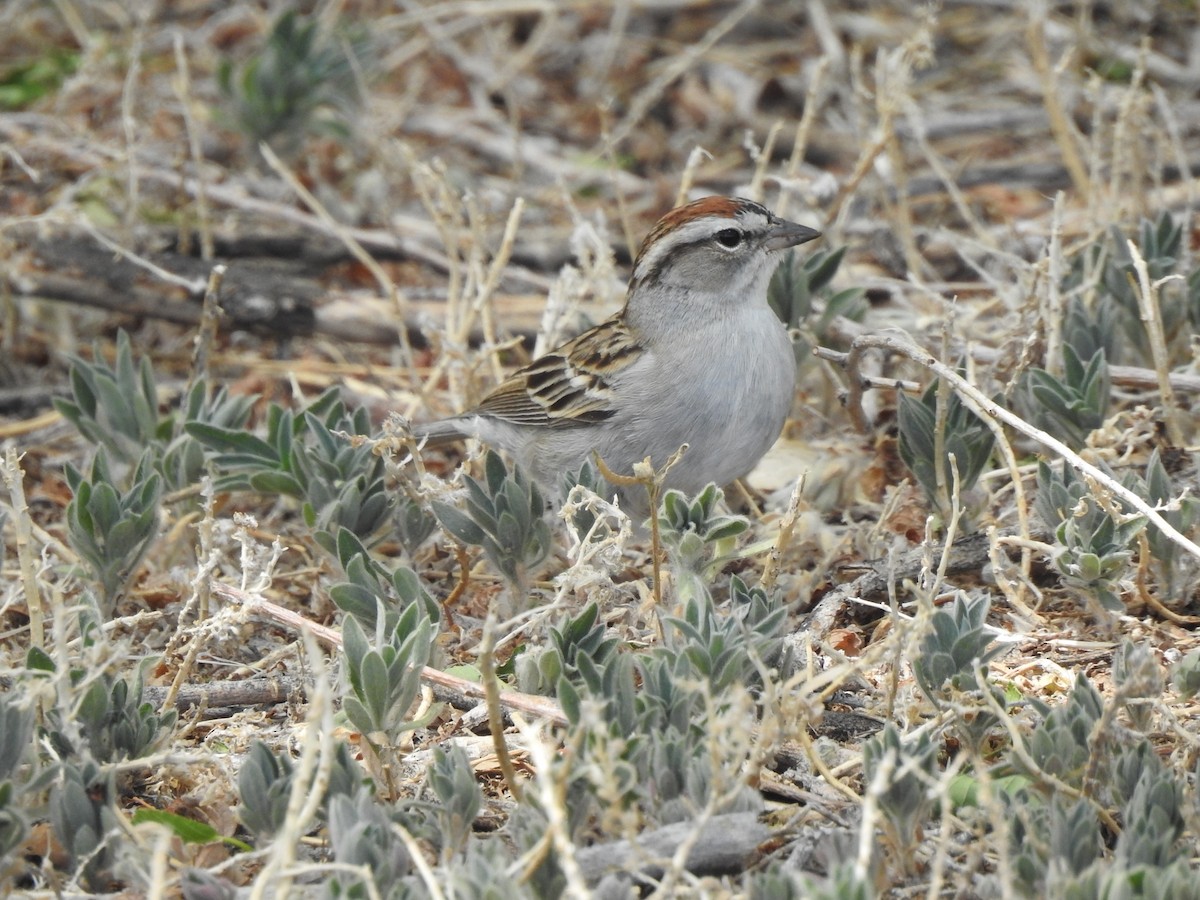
point(501, 152)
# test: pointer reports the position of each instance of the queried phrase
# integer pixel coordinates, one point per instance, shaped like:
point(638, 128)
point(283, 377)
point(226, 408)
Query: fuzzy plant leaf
point(384, 673)
point(1093, 550)
point(905, 800)
point(264, 786)
point(339, 482)
point(452, 781)
point(1062, 745)
point(362, 836)
point(965, 436)
point(1073, 406)
point(370, 588)
point(110, 528)
point(301, 81)
point(505, 515)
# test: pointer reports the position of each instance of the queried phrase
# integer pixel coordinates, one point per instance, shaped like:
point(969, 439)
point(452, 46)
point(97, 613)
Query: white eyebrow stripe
point(696, 230)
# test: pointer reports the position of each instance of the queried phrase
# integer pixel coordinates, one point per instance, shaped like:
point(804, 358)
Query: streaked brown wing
point(568, 386)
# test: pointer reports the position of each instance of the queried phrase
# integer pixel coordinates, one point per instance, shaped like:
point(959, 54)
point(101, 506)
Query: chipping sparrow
point(696, 356)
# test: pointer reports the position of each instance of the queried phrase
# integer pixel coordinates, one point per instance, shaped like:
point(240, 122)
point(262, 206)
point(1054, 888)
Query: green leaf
point(275, 482)
point(187, 830)
point(230, 440)
point(458, 524)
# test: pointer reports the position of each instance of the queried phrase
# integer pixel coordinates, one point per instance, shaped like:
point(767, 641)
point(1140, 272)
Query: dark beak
point(788, 234)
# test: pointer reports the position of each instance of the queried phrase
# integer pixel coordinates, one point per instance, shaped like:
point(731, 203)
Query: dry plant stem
point(461, 317)
point(1060, 123)
point(696, 156)
point(128, 118)
point(183, 91)
point(541, 707)
point(678, 65)
point(937, 872)
point(1022, 754)
point(865, 381)
point(1148, 305)
point(787, 525)
point(803, 128)
point(206, 335)
point(310, 781)
point(1052, 298)
point(989, 411)
point(156, 885)
point(192, 286)
point(1144, 594)
point(26, 557)
point(822, 767)
point(847, 188)
point(915, 118)
point(870, 815)
point(951, 534)
point(237, 196)
point(552, 800)
point(903, 219)
point(852, 363)
point(200, 598)
point(356, 249)
point(1171, 120)
point(619, 191)
point(464, 579)
point(666, 885)
point(417, 855)
point(1126, 169)
point(941, 412)
point(1000, 823)
point(491, 687)
point(486, 291)
point(762, 160)
point(652, 480)
point(1013, 594)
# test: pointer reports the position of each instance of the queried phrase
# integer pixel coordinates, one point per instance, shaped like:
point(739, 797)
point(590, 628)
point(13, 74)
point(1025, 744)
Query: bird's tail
point(444, 431)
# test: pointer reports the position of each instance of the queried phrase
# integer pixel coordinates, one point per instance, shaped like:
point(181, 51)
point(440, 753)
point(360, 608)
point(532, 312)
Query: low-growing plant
point(1139, 682)
point(362, 834)
point(383, 672)
point(964, 435)
point(371, 588)
point(904, 795)
point(503, 513)
point(108, 527)
point(958, 643)
point(1103, 277)
point(1070, 407)
point(698, 537)
point(800, 295)
point(16, 732)
point(581, 640)
point(306, 455)
point(459, 798)
point(1093, 549)
point(83, 813)
point(264, 786)
point(301, 81)
point(108, 719)
point(116, 407)
point(1177, 572)
point(1062, 745)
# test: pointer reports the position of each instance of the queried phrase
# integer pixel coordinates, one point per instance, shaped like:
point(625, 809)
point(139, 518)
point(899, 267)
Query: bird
point(696, 356)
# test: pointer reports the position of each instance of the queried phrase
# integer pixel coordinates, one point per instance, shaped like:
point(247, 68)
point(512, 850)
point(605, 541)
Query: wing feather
point(569, 386)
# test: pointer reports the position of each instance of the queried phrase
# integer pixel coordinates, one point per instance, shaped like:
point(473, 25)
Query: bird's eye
point(729, 237)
